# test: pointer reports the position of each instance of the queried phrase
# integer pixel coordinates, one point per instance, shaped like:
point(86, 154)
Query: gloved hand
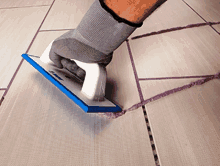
point(67, 48)
point(99, 33)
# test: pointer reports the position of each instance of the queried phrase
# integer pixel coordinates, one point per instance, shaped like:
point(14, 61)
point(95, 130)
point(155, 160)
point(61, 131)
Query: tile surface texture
point(185, 125)
point(208, 9)
point(173, 13)
point(151, 88)
point(175, 120)
point(18, 27)
point(44, 126)
point(23, 3)
point(66, 14)
point(189, 52)
point(39, 125)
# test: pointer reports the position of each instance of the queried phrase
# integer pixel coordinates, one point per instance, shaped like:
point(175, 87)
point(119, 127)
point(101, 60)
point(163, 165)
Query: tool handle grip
point(95, 80)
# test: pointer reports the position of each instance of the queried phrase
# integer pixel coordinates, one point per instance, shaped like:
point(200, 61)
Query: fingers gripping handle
point(95, 80)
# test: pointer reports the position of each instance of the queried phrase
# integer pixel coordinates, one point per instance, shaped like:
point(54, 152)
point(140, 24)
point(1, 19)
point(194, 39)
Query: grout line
point(174, 29)
point(1, 99)
point(40, 27)
point(135, 72)
point(158, 96)
point(55, 30)
point(200, 16)
point(161, 95)
point(144, 110)
point(151, 137)
point(11, 80)
point(171, 91)
point(23, 7)
point(199, 82)
point(3, 88)
point(163, 78)
point(13, 77)
point(194, 11)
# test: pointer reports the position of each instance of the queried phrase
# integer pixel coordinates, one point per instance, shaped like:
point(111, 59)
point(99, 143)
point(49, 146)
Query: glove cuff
point(98, 29)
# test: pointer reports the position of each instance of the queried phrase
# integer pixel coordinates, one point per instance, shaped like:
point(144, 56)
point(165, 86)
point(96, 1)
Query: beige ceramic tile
point(39, 125)
point(152, 88)
point(66, 14)
point(188, 52)
point(18, 27)
point(217, 28)
point(185, 125)
point(208, 9)
point(23, 3)
point(173, 13)
point(120, 74)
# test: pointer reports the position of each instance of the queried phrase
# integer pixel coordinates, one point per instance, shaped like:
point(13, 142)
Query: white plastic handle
point(45, 56)
point(95, 79)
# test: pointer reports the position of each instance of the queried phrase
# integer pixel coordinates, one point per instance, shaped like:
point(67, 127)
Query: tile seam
point(174, 29)
point(13, 77)
point(200, 16)
point(1, 100)
point(169, 92)
point(184, 77)
point(3, 88)
point(135, 71)
point(23, 7)
point(40, 27)
point(157, 97)
point(142, 99)
point(152, 142)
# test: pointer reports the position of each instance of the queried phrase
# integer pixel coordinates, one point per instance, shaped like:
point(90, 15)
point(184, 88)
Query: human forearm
point(135, 11)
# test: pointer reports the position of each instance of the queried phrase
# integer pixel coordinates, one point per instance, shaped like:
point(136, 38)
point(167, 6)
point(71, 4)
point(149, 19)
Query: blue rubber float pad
point(70, 85)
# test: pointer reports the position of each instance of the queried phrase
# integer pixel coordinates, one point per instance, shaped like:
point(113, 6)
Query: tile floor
point(41, 126)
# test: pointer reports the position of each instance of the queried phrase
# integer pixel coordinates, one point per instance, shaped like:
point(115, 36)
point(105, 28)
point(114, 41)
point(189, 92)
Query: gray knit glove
point(99, 33)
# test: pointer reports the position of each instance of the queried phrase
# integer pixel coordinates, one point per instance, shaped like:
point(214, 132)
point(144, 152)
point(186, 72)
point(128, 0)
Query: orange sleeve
point(135, 11)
